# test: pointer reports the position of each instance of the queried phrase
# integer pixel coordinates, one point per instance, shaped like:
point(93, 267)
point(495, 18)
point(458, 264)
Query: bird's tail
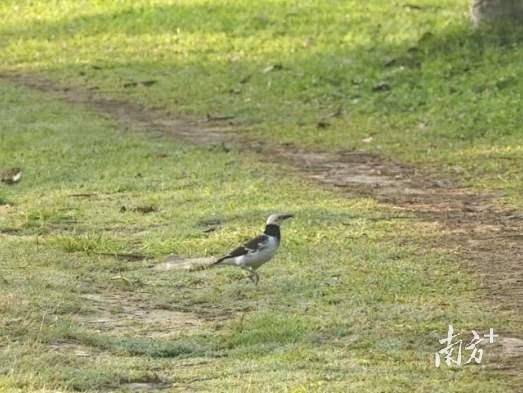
point(217, 262)
point(206, 265)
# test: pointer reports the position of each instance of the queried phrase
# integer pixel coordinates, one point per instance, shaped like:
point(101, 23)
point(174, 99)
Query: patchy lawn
point(352, 301)
point(412, 81)
point(360, 292)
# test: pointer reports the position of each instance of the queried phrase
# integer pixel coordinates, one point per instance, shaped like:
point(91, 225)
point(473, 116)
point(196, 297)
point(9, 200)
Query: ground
point(146, 129)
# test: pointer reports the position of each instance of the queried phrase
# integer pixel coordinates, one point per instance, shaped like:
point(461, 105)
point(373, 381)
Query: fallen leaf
point(307, 42)
point(224, 147)
point(246, 79)
point(337, 113)
point(381, 86)
point(130, 84)
point(426, 37)
point(210, 117)
point(322, 124)
point(83, 195)
point(422, 126)
point(505, 82)
point(144, 209)
point(148, 83)
point(390, 62)
point(11, 175)
point(413, 7)
point(272, 67)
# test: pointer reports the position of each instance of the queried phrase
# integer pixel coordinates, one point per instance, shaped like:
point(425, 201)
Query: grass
point(416, 80)
point(356, 299)
point(353, 301)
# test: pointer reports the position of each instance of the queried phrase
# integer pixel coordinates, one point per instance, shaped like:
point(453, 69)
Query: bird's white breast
point(255, 259)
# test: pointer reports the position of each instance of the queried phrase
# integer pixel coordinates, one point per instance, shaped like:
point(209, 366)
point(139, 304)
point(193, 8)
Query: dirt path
point(489, 239)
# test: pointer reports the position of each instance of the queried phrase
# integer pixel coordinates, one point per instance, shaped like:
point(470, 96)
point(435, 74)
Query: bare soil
point(114, 314)
point(487, 237)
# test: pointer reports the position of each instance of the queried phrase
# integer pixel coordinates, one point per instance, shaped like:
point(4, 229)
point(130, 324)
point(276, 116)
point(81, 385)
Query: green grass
point(353, 301)
point(356, 299)
point(453, 103)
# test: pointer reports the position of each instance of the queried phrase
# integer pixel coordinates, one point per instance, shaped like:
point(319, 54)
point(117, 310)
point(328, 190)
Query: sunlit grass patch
point(267, 331)
point(350, 277)
point(88, 243)
point(281, 68)
point(355, 298)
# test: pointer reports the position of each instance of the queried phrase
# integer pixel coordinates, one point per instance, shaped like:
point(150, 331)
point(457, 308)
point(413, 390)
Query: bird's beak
point(286, 216)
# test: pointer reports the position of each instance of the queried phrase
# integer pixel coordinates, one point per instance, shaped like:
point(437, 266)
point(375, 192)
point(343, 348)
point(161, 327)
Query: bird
point(258, 250)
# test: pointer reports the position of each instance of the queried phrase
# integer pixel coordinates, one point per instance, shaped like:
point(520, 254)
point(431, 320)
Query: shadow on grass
point(235, 19)
point(436, 70)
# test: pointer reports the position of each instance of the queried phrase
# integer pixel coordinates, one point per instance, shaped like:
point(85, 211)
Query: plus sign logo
point(452, 353)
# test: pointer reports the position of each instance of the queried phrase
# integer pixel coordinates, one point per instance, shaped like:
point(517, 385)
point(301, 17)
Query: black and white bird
point(257, 251)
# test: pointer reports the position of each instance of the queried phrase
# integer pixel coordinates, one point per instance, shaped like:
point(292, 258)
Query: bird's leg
point(253, 276)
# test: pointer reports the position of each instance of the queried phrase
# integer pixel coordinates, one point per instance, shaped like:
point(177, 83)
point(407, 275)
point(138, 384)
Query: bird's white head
point(277, 219)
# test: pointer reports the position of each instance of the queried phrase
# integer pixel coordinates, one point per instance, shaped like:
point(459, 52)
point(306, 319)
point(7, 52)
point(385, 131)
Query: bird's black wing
point(253, 245)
